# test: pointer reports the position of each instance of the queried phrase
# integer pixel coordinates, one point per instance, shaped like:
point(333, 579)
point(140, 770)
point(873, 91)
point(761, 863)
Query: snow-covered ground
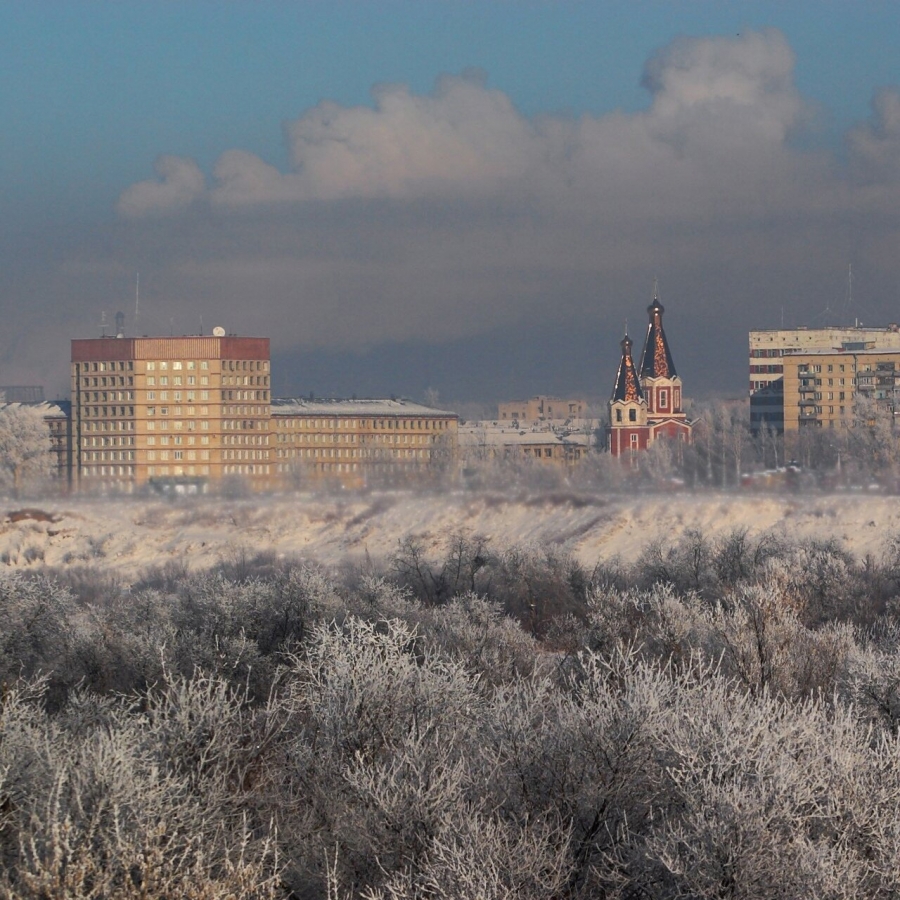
point(130, 535)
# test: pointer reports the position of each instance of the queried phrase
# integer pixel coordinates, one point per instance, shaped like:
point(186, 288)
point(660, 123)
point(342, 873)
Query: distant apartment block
point(481, 442)
point(21, 393)
point(176, 407)
point(768, 350)
point(820, 387)
point(194, 410)
point(355, 442)
point(541, 409)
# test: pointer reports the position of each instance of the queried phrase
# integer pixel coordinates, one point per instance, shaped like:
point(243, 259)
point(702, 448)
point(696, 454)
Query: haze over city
point(467, 197)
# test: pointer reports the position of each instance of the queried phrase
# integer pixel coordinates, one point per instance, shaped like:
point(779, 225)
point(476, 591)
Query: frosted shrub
point(474, 631)
point(587, 757)
point(34, 637)
point(380, 723)
point(488, 859)
point(774, 799)
point(147, 805)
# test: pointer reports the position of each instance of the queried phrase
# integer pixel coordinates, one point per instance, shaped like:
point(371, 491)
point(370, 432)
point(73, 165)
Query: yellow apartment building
point(821, 386)
point(184, 408)
point(356, 442)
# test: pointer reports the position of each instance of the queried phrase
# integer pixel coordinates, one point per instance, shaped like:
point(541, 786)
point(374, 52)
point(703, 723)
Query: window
point(632, 417)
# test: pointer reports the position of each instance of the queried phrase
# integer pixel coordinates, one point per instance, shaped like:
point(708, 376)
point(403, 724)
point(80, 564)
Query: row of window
point(176, 365)
point(348, 453)
point(107, 412)
point(176, 439)
point(261, 380)
point(155, 471)
point(245, 454)
point(106, 396)
point(178, 396)
point(363, 424)
point(177, 410)
point(177, 380)
point(111, 381)
point(176, 454)
point(117, 425)
point(245, 439)
point(105, 366)
point(177, 425)
point(245, 411)
point(245, 395)
point(107, 442)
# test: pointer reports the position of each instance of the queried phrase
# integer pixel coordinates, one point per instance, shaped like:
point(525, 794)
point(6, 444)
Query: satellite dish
point(218, 331)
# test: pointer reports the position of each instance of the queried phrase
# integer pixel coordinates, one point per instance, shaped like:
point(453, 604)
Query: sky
point(471, 198)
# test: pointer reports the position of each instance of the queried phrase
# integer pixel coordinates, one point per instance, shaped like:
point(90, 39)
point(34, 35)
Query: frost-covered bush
point(726, 729)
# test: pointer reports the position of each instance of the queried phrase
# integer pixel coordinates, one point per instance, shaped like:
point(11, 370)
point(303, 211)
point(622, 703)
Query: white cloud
point(720, 114)
point(181, 184)
point(875, 146)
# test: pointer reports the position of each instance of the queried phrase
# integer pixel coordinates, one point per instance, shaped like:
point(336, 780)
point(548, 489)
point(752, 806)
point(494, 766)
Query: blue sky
point(93, 93)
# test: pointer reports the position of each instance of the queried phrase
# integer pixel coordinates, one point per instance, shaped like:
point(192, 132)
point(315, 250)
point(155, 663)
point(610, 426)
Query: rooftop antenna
point(201, 324)
point(103, 323)
point(656, 289)
point(137, 299)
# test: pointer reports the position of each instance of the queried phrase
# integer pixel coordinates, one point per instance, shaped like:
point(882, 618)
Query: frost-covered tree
point(25, 448)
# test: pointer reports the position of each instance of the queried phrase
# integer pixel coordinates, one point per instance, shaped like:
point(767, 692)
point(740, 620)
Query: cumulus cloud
point(719, 107)
point(450, 215)
point(875, 146)
point(180, 183)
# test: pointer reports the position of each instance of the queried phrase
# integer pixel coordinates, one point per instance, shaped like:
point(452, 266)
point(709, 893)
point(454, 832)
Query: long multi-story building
point(148, 408)
point(768, 350)
point(354, 442)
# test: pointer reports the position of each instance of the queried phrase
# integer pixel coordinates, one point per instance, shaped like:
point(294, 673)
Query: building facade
point(768, 350)
point(356, 442)
point(541, 409)
point(190, 407)
point(821, 388)
point(646, 402)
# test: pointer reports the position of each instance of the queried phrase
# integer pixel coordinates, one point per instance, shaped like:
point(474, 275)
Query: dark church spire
point(627, 388)
point(656, 359)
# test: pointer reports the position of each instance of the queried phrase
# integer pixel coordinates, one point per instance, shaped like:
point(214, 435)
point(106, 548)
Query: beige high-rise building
point(191, 408)
point(768, 350)
point(821, 386)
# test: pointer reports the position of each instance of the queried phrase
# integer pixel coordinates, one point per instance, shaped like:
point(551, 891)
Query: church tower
point(660, 381)
point(627, 431)
point(647, 402)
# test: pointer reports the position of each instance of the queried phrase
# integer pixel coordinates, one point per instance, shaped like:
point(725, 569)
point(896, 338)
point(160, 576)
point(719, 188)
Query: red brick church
point(646, 401)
